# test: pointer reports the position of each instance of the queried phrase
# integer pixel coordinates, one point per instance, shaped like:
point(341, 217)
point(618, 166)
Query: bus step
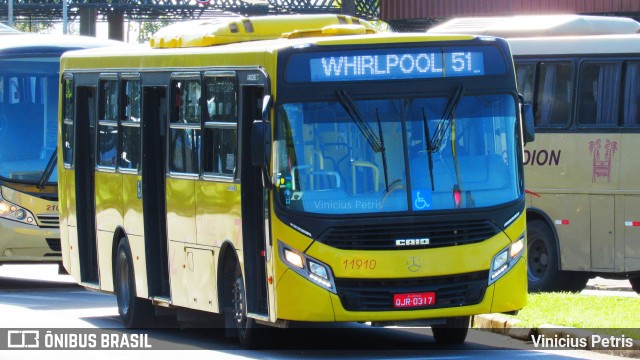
point(261, 317)
point(161, 301)
point(90, 285)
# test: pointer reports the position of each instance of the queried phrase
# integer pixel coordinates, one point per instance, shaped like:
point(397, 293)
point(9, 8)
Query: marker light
point(20, 214)
point(309, 268)
point(506, 259)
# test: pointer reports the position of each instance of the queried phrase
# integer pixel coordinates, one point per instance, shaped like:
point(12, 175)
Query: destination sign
point(395, 64)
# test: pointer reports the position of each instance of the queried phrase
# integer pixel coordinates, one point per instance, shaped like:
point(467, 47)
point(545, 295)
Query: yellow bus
point(296, 169)
point(29, 82)
point(581, 73)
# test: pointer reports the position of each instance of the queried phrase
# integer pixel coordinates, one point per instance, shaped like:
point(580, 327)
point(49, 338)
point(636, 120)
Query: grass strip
point(607, 315)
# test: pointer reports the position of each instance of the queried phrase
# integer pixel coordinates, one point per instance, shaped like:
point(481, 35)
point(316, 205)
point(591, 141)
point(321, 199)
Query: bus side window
point(598, 96)
point(632, 95)
point(130, 140)
point(107, 123)
point(221, 126)
point(525, 74)
point(554, 94)
point(185, 126)
point(67, 122)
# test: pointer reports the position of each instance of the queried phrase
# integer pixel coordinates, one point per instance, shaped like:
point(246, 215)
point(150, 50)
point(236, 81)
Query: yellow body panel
point(218, 214)
point(132, 204)
point(181, 210)
point(108, 192)
point(510, 292)
point(105, 259)
point(314, 305)
point(178, 273)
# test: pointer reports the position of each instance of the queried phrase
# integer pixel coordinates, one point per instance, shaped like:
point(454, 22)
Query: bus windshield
point(28, 117)
point(402, 154)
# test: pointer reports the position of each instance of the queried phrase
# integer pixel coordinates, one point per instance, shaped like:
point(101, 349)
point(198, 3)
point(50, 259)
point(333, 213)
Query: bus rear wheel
point(542, 272)
point(453, 332)
point(134, 312)
point(635, 283)
point(574, 281)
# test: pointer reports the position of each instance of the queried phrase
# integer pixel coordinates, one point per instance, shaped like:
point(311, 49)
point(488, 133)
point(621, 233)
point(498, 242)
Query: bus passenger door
point(85, 184)
point(154, 119)
point(255, 206)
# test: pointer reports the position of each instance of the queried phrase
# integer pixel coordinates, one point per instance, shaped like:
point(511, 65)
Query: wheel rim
point(538, 260)
point(124, 292)
point(238, 303)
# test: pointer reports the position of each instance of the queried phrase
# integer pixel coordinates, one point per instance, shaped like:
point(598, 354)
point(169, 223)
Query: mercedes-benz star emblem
point(414, 264)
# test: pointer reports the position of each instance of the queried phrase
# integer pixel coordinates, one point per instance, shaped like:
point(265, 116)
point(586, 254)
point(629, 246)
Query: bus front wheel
point(453, 332)
point(134, 312)
point(543, 273)
point(249, 333)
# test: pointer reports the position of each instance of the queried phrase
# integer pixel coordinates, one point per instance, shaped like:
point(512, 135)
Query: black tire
point(134, 312)
point(542, 259)
point(250, 334)
point(454, 332)
point(635, 283)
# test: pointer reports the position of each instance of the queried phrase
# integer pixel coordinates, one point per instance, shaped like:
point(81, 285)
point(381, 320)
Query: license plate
point(410, 300)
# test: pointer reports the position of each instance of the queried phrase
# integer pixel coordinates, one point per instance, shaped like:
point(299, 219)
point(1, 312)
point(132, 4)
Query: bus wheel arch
point(543, 254)
point(117, 238)
point(134, 312)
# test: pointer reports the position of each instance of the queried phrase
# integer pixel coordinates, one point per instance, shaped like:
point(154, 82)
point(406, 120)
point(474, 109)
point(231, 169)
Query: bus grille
point(47, 221)
point(377, 294)
point(384, 236)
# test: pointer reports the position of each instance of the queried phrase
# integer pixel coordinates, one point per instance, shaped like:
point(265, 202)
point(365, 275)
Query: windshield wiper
point(384, 153)
point(445, 122)
point(351, 109)
point(429, 155)
point(46, 174)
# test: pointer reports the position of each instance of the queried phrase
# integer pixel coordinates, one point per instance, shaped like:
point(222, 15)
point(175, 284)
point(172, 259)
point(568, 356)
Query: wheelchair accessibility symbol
point(421, 199)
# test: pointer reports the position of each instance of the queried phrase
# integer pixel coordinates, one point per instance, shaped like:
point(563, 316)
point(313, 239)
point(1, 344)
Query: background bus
point(582, 75)
point(29, 82)
point(332, 174)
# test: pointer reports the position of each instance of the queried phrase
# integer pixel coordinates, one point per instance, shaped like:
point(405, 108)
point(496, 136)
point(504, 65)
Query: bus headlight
point(308, 267)
point(506, 259)
point(14, 212)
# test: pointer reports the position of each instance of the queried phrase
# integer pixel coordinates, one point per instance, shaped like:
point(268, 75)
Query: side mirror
point(528, 126)
point(258, 145)
point(261, 136)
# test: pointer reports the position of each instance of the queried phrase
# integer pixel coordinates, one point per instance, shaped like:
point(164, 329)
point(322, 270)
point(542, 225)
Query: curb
point(507, 326)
